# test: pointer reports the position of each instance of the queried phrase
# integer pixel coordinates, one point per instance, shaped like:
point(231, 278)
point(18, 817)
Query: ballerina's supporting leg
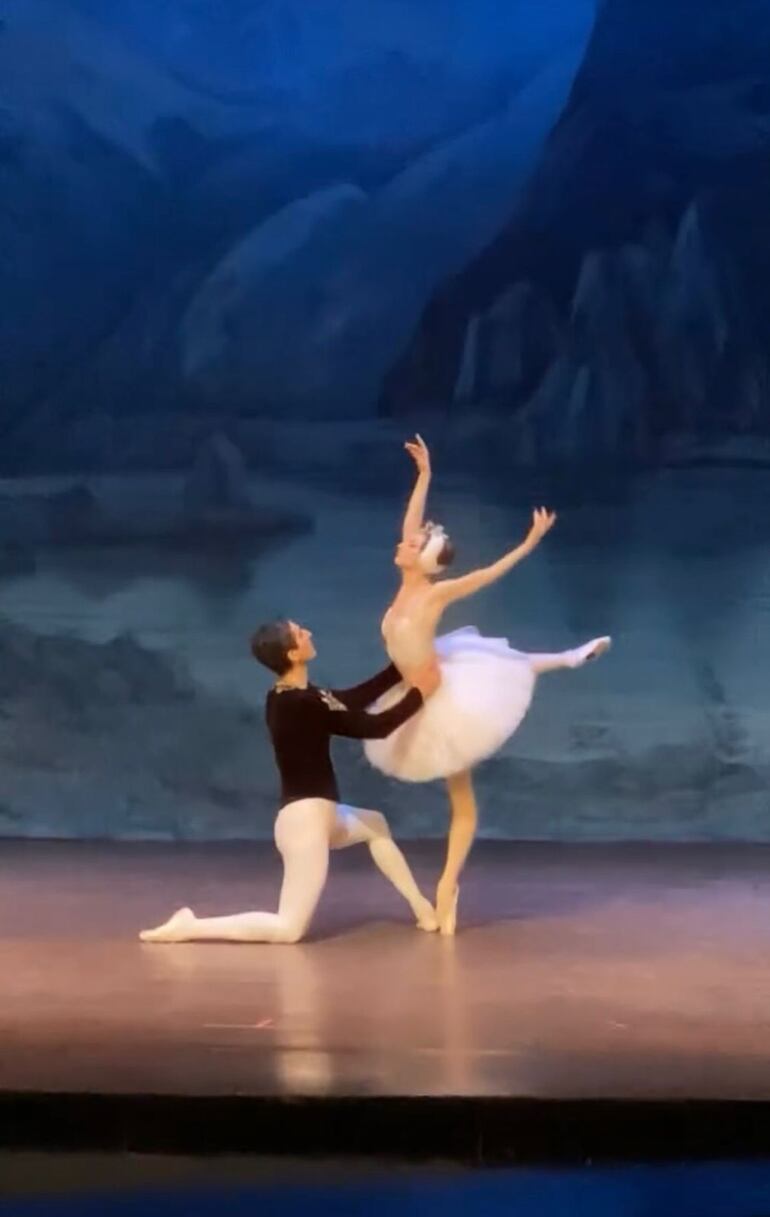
point(462, 830)
point(462, 827)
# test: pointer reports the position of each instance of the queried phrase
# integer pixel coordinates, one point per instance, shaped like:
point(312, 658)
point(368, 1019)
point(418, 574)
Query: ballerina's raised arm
point(415, 509)
point(449, 590)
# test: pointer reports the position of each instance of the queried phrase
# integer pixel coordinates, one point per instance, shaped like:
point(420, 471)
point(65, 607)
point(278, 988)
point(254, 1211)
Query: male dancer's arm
point(358, 724)
point(360, 696)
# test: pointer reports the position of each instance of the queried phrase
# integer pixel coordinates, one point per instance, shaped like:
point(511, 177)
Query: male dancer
point(301, 720)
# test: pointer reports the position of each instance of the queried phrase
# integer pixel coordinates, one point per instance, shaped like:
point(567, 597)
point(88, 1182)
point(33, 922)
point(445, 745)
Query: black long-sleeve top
point(302, 722)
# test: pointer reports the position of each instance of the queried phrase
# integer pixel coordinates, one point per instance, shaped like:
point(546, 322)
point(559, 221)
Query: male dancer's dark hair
point(270, 645)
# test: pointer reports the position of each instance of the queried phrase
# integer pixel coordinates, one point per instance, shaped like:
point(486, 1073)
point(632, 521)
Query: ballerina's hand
point(542, 522)
point(418, 450)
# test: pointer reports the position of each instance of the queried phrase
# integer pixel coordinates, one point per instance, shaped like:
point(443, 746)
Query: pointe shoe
point(427, 920)
point(447, 924)
point(590, 650)
point(176, 929)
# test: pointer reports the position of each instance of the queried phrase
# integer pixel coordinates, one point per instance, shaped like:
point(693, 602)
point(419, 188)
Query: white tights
point(305, 832)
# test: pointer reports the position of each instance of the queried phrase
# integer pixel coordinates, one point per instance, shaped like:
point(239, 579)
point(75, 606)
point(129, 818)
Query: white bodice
point(408, 645)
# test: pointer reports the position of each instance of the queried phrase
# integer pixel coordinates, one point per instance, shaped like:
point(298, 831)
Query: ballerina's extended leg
point(573, 658)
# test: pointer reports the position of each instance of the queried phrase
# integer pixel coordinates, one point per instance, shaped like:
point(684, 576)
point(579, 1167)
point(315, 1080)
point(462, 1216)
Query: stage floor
point(579, 973)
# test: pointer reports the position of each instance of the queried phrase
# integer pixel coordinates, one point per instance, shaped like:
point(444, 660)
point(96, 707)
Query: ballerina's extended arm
point(449, 590)
point(415, 510)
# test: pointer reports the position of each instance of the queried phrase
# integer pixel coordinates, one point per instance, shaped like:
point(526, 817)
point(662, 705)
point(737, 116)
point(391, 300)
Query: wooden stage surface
point(596, 999)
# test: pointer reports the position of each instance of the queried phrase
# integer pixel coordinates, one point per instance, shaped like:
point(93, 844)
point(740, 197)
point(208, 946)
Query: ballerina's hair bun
point(437, 551)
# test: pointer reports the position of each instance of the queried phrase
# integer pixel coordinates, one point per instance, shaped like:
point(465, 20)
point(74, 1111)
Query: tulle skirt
point(486, 687)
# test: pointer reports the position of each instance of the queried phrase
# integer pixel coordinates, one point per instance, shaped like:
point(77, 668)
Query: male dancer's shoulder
point(283, 701)
point(290, 693)
point(311, 695)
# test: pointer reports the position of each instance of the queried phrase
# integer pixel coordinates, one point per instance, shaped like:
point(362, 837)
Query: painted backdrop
point(246, 248)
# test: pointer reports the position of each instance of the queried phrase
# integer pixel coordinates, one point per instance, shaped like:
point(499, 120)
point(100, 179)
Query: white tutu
point(485, 691)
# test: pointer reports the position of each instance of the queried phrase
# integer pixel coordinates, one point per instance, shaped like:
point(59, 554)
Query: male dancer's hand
point(427, 678)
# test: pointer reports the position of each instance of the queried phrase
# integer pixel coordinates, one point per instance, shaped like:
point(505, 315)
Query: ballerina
point(486, 686)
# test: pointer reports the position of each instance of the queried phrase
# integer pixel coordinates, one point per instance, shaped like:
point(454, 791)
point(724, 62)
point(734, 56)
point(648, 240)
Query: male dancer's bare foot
point(426, 918)
point(589, 650)
point(176, 929)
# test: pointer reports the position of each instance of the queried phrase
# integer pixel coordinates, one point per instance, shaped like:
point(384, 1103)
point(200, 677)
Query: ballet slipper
point(447, 918)
point(427, 920)
point(590, 650)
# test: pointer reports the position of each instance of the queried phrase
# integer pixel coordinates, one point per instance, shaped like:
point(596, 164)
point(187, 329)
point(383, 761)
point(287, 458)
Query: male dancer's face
point(303, 650)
